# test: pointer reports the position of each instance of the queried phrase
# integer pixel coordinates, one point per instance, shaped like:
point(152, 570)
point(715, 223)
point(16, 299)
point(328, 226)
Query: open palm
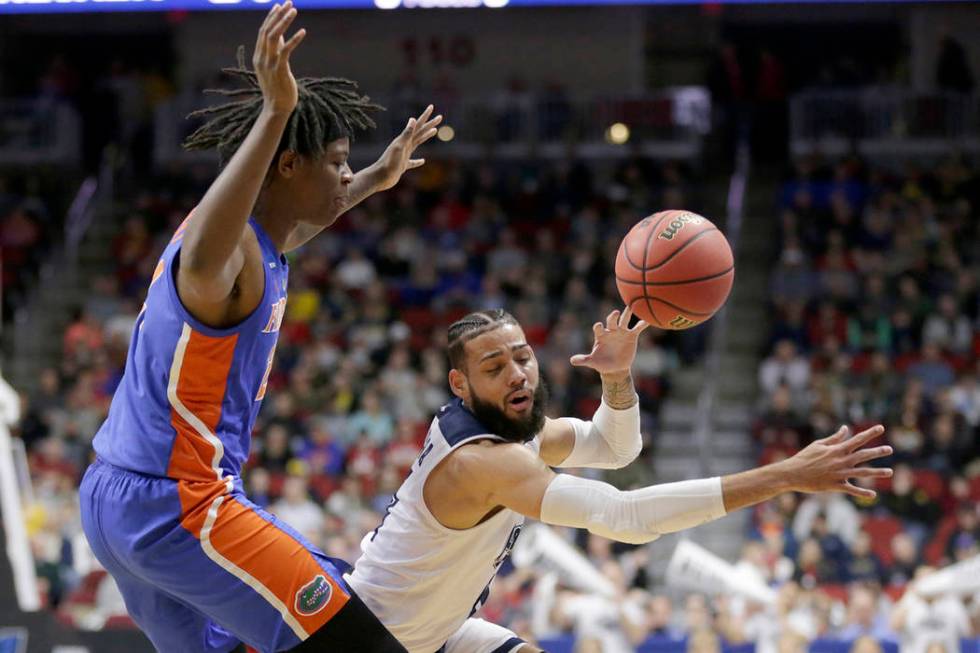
point(615, 344)
point(397, 157)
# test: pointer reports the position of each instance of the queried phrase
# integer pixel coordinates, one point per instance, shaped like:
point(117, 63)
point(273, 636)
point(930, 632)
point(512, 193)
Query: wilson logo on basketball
point(677, 224)
point(312, 597)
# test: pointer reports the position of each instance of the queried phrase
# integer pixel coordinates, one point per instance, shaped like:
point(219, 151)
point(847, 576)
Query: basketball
point(674, 269)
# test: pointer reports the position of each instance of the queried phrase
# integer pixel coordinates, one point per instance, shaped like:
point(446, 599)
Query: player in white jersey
point(485, 465)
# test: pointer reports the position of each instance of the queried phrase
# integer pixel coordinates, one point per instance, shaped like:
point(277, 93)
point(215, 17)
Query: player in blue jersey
point(202, 569)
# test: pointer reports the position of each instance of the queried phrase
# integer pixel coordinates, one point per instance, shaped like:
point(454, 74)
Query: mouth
point(521, 400)
point(341, 201)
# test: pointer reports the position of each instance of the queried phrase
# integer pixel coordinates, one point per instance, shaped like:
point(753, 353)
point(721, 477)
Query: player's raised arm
point(612, 438)
point(512, 476)
point(211, 255)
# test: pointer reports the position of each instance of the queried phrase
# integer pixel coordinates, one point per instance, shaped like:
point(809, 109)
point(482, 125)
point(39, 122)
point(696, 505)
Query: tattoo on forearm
point(619, 393)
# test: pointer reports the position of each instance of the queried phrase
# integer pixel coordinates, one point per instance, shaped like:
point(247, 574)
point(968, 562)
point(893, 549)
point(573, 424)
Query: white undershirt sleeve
point(637, 516)
point(610, 441)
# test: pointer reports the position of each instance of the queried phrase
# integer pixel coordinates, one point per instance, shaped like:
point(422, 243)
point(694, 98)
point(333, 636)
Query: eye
point(494, 370)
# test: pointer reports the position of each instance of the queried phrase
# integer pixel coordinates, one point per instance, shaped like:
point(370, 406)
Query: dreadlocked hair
point(328, 108)
point(470, 326)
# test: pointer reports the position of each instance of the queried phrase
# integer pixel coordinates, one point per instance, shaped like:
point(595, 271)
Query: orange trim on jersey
point(181, 229)
point(201, 389)
point(274, 559)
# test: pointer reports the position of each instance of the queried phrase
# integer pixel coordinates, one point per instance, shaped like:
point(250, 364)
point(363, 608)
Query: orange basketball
point(675, 269)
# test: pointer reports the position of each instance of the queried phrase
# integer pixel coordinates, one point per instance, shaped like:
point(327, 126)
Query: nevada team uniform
point(423, 580)
point(163, 505)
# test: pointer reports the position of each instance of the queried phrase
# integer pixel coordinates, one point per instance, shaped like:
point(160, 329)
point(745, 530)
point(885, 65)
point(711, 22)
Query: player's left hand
point(615, 344)
point(397, 157)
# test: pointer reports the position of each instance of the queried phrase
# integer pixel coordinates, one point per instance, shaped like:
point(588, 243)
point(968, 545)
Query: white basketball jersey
point(421, 579)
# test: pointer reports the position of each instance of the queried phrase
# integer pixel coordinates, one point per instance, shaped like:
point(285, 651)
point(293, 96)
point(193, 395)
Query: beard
point(522, 429)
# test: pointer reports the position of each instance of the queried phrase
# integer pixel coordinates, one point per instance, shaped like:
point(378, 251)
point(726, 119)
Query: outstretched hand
point(615, 344)
point(271, 59)
point(828, 464)
point(397, 157)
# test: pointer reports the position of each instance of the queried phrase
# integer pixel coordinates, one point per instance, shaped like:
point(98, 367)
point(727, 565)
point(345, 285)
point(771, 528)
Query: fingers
point(409, 127)
point(270, 19)
point(415, 163)
point(864, 455)
point(283, 21)
point(426, 135)
point(293, 41)
point(639, 327)
point(855, 491)
point(838, 436)
point(864, 437)
point(870, 472)
point(612, 321)
point(579, 359)
point(624, 319)
point(425, 114)
point(597, 329)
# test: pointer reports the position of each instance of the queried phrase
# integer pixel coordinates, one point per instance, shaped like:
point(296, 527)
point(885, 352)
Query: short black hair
point(328, 108)
point(466, 328)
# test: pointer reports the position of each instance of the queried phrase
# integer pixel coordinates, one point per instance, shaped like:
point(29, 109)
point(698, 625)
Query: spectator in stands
point(964, 541)
point(792, 280)
point(837, 514)
point(932, 370)
point(276, 449)
point(298, 510)
point(909, 503)
point(965, 397)
point(372, 420)
point(660, 617)
point(863, 564)
point(905, 560)
point(864, 616)
point(948, 328)
point(322, 453)
point(784, 367)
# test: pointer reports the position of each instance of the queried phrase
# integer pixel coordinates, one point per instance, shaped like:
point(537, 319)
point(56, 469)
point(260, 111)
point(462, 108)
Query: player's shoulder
point(490, 461)
point(458, 425)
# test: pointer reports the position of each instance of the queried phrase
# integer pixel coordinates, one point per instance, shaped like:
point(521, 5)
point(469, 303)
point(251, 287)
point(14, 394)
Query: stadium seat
point(931, 483)
point(882, 528)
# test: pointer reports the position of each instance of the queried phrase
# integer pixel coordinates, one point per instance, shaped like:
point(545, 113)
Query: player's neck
point(276, 225)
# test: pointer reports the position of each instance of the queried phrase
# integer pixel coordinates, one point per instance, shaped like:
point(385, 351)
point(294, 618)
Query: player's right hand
point(827, 465)
point(271, 59)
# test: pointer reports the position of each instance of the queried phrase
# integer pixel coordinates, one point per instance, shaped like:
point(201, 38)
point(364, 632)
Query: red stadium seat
point(882, 529)
point(119, 622)
point(935, 549)
point(836, 592)
point(975, 488)
point(895, 592)
point(932, 483)
point(84, 594)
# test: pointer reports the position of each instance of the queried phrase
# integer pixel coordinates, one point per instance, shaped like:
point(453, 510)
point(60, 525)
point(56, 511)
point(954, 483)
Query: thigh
point(217, 553)
point(479, 636)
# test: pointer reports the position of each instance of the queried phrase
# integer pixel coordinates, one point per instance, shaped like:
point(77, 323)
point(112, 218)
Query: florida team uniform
point(425, 581)
point(163, 506)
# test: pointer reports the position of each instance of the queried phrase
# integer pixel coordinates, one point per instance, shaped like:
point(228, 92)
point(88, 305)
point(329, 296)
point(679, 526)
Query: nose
point(518, 377)
point(346, 175)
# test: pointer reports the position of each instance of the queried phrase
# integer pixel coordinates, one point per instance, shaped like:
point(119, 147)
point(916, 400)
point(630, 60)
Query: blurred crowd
point(875, 301)
point(877, 320)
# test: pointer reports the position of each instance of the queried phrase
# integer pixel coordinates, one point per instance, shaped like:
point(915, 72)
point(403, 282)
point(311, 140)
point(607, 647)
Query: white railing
point(667, 124)
point(34, 132)
point(883, 121)
point(18, 548)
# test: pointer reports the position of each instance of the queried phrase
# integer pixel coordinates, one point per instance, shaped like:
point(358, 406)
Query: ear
point(287, 163)
point(459, 385)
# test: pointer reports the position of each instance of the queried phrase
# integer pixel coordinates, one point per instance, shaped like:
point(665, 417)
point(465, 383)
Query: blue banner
point(80, 6)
